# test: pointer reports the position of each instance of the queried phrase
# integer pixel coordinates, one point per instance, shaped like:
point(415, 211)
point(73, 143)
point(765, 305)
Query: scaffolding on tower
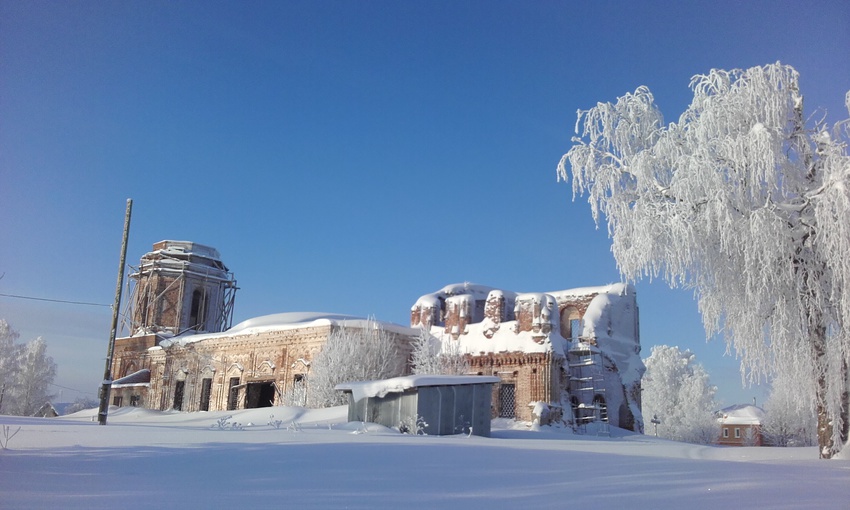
point(178, 287)
point(587, 389)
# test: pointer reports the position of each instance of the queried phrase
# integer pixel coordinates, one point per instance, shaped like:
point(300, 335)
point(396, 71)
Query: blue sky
point(346, 156)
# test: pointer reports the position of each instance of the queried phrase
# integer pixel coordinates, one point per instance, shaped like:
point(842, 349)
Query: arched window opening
point(600, 408)
point(197, 313)
point(570, 323)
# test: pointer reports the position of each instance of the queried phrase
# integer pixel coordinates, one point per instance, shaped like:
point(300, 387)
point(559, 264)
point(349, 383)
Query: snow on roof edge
point(371, 389)
point(291, 320)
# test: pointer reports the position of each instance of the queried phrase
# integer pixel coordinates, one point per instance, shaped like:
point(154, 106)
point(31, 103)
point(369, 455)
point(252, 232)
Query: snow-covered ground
point(297, 458)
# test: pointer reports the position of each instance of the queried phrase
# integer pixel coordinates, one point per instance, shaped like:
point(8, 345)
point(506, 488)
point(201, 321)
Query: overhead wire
point(55, 300)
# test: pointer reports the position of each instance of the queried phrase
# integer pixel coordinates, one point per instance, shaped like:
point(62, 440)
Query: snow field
point(313, 459)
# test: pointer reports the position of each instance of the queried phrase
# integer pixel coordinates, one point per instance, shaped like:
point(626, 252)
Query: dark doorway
point(206, 390)
point(233, 394)
point(178, 395)
point(259, 394)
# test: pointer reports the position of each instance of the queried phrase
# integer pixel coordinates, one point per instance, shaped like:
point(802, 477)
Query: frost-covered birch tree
point(745, 201)
point(433, 356)
point(789, 420)
point(677, 390)
point(26, 372)
point(37, 373)
point(10, 366)
point(352, 354)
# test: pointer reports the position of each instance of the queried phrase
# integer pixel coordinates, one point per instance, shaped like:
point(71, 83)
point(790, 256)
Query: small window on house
point(737, 433)
point(135, 400)
point(116, 401)
point(725, 432)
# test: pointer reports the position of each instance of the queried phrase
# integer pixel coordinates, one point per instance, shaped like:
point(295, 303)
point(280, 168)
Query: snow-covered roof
point(140, 378)
point(289, 320)
point(617, 289)
point(610, 319)
point(478, 292)
point(187, 247)
point(742, 414)
point(370, 389)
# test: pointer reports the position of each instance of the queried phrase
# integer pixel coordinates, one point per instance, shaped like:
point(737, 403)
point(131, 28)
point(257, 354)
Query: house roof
point(742, 414)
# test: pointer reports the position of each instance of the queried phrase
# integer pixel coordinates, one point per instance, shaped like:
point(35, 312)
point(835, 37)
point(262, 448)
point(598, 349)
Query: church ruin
point(182, 353)
point(571, 355)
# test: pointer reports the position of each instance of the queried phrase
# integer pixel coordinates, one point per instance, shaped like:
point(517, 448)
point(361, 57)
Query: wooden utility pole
point(107, 372)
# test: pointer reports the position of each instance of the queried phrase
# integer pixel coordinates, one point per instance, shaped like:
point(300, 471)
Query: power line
point(55, 300)
point(72, 389)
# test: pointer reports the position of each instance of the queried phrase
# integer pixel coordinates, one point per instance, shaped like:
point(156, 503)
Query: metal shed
point(429, 404)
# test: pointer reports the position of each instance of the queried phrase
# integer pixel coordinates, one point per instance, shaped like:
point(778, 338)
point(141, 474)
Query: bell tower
point(181, 286)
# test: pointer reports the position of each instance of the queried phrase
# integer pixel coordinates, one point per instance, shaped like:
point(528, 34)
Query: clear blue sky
point(346, 156)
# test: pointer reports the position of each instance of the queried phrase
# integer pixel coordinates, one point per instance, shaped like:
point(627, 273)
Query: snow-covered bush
point(296, 394)
point(677, 390)
point(352, 354)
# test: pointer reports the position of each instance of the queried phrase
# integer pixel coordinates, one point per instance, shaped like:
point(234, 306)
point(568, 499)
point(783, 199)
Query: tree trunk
point(826, 443)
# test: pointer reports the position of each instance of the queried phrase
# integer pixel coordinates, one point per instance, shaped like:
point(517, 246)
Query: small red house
point(740, 425)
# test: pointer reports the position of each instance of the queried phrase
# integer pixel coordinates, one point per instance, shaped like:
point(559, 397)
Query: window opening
point(179, 386)
point(197, 311)
point(206, 390)
point(233, 394)
point(507, 401)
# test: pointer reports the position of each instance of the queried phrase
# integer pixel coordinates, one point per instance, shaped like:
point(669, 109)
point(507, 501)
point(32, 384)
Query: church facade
point(183, 355)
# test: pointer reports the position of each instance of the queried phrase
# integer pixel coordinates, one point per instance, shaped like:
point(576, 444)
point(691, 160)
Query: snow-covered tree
point(789, 420)
point(10, 365)
point(747, 204)
point(677, 390)
point(296, 394)
point(26, 373)
point(352, 354)
point(432, 356)
point(37, 373)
